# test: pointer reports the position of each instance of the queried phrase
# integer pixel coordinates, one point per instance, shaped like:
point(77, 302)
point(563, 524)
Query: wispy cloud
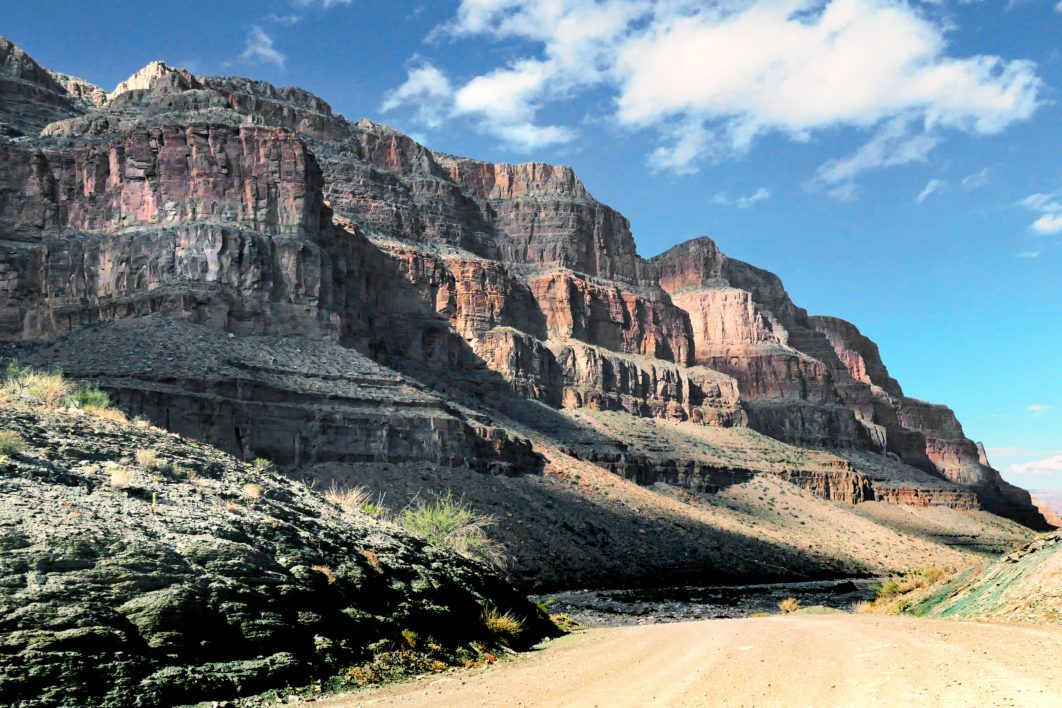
point(287, 20)
point(1050, 208)
point(894, 144)
point(326, 4)
point(1038, 409)
point(260, 48)
point(1028, 254)
point(933, 185)
point(711, 78)
point(1050, 465)
point(976, 180)
point(742, 202)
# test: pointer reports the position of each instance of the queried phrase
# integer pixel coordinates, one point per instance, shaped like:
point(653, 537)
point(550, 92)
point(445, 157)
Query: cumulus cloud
point(260, 48)
point(1050, 208)
point(427, 88)
point(933, 185)
point(742, 202)
point(1050, 465)
point(712, 77)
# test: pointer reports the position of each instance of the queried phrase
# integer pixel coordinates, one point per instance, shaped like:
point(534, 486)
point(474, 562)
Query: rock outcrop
point(190, 576)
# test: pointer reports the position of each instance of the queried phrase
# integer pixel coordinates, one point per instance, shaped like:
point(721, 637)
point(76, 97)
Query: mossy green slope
point(1022, 586)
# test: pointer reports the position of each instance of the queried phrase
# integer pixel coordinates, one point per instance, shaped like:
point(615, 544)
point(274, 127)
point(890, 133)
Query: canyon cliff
point(240, 264)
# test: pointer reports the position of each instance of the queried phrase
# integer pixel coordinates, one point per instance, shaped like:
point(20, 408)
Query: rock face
point(510, 306)
point(204, 578)
point(32, 97)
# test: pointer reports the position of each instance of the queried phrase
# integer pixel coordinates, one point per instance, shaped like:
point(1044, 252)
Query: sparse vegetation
point(327, 572)
point(447, 522)
point(352, 498)
point(147, 459)
point(121, 477)
point(373, 559)
point(788, 605)
point(896, 594)
point(50, 389)
point(252, 491)
point(505, 626)
point(11, 442)
point(262, 462)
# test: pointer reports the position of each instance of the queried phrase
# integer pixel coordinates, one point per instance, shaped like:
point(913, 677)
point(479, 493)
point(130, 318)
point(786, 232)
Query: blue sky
point(898, 164)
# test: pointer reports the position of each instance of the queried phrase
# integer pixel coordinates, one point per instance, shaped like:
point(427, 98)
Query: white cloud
point(1029, 254)
point(1038, 410)
point(894, 144)
point(288, 20)
point(975, 180)
point(1058, 7)
point(326, 4)
point(711, 77)
point(260, 48)
point(1049, 465)
point(933, 185)
point(1048, 224)
point(1050, 208)
point(742, 202)
point(427, 88)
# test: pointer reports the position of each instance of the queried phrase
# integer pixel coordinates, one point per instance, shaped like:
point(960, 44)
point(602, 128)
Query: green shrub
point(11, 442)
point(89, 397)
point(447, 522)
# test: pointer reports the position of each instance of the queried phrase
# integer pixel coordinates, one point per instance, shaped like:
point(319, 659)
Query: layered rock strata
point(257, 211)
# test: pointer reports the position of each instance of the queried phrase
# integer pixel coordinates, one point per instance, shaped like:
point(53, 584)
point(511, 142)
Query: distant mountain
point(242, 265)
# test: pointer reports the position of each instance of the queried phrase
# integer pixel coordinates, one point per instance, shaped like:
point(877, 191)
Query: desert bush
point(909, 582)
point(252, 491)
point(88, 397)
point(348, 497)
point(147, 459)
point(790, 604)
point(447, 522)
point(11, 442)
point(262, 463)
point(503, 626)
point(121, 477)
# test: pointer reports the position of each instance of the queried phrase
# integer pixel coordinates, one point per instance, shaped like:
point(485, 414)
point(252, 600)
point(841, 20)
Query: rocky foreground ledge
point(141, 569)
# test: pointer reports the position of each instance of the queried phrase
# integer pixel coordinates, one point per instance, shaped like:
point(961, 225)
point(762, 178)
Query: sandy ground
point(815, 661)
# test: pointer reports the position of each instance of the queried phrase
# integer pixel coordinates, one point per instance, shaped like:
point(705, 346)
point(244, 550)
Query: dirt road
point(815, 661)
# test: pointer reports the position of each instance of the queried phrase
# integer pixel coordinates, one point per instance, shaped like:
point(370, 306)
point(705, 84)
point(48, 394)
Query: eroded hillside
point(240, 264)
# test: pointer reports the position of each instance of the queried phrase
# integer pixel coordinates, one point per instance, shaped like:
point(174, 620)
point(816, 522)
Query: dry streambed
point(617, 608)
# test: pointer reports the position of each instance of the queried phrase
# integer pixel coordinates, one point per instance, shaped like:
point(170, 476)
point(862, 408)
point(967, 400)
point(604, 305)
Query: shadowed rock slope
point(237, 262)
point(198, 577)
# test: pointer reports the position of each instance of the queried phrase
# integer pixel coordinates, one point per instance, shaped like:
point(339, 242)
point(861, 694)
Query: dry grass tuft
point(147, 459)
point(504, 626)
point(790, 604)
point(353, 498)
point(373, 559)
point(327, 572)
point(121, 477)
point(252, 491)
